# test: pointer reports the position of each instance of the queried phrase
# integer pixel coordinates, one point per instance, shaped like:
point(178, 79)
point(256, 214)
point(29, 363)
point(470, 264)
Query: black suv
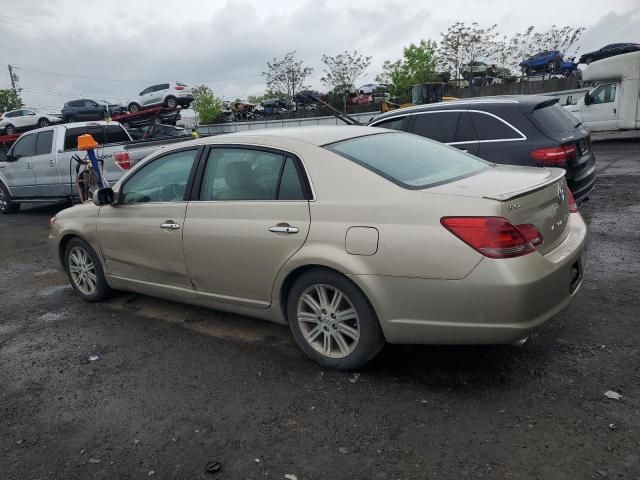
point(513, 130)
point(87, 109)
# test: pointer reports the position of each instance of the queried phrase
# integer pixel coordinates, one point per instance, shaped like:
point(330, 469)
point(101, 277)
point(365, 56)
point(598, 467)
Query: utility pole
point(13, 82)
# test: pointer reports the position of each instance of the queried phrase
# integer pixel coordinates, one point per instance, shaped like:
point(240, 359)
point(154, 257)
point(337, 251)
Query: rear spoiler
point(554, 175)
point(546, 103)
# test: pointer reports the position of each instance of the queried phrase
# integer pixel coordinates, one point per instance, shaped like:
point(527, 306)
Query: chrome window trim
point(459, 110)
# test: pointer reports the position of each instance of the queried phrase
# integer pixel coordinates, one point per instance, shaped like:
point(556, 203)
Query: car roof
point(315, 135)
point(525, 102)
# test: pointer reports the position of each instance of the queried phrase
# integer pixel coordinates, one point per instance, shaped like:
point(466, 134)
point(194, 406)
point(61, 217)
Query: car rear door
point(497, 138)
point(141, 235)
point(45, 166)
point(452, 127)
point(250, 215)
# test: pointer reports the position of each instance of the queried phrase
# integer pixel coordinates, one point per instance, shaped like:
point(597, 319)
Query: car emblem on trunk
point(561, 194)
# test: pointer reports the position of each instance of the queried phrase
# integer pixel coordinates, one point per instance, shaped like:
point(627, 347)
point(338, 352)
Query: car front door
point(146, 96)
point(45, 167)
point(141, 235)
point(158, 93)
point(251, 214)
point(92, 110)
point(19, 171)
point(602, 112)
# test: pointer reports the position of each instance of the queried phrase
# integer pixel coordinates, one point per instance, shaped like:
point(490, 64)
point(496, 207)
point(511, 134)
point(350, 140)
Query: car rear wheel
point(133, 108)
point(43, 122)
point(6, 204)
point(171, 102)
point(588, 60)
point(85, 271)
point(10, 129)
point(332, 321)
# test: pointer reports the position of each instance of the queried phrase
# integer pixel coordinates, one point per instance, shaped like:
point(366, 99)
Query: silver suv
point(168, 94)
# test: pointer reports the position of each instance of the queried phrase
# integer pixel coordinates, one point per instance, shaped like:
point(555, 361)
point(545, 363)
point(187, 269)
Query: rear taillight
point(494, 237)
point(178, 87)
point(123, 160)
point(554, 156)
point(573, 206)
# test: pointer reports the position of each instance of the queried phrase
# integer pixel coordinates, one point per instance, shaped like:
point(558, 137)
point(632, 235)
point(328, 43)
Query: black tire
point(43, 122)
point(133, 108)
point(10, 129)
point(102, 289)
point(7, 205)
point(69, 119)
point(170, 102)
point(186, 105)
point(371, 339)
point(588, 60)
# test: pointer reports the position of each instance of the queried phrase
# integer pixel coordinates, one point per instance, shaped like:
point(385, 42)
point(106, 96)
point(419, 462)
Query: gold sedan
point(353, 236)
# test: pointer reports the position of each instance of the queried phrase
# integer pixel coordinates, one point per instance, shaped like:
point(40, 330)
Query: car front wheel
point(85, 271)
point(43, 122)
point(332, 321)
point(133, 108)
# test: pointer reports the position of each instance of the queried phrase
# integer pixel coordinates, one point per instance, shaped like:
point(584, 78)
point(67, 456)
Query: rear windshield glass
point(408, 160)
point(555, 119)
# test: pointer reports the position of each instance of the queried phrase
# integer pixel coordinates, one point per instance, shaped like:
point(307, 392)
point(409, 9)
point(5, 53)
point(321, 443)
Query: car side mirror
point(587, 99)
point(104, 196)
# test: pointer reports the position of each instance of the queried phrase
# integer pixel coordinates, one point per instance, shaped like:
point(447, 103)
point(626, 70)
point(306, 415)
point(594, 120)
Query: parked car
point(88, 109)
point(361, 236)
point(614, 102)
point(156, 131)
point(479, 69)
point(170, 95)
point(22, 119)
point(512, 130)
point(548, 61)
point(39, 166)
point(609, 51)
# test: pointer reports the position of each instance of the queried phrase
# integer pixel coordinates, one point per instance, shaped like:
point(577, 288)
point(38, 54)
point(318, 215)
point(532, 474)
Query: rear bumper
point(581, 179)
point(500, 301)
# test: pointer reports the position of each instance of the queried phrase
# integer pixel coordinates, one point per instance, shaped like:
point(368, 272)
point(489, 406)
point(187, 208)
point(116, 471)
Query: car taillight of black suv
point(513, 130)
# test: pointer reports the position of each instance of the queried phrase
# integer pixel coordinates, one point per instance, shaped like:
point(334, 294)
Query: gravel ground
point(143, 388)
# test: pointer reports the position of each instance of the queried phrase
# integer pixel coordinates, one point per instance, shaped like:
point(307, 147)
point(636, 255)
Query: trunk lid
point(527, 195)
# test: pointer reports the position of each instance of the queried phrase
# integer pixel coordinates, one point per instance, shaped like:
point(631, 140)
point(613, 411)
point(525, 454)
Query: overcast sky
point(130, 44)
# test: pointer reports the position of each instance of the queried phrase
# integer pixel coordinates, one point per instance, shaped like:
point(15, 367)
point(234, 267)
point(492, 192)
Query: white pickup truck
point(39, 166)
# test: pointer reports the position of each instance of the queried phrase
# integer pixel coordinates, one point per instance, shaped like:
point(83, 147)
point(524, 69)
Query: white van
point(614, 103)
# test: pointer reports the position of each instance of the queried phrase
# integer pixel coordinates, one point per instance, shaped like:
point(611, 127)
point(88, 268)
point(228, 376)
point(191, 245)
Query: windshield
point(408, 160)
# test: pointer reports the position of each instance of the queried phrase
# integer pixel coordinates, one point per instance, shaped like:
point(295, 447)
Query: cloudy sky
point(112, 49)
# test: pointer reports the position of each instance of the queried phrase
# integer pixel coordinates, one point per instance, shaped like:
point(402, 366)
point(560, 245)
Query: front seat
point(241, 180)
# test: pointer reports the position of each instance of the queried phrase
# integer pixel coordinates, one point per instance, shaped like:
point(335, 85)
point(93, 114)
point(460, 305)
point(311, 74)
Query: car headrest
point(239, 174)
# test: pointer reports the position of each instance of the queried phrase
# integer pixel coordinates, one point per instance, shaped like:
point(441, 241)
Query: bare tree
point(344, 69)
point(462, 44)
point(287, 76)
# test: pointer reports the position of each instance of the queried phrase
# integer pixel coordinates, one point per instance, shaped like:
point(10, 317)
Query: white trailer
point(614, 103)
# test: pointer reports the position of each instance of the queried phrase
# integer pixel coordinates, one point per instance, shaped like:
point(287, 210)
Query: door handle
point(170, 225)
point(52, 162)
point(28, 165)
point(283, 229)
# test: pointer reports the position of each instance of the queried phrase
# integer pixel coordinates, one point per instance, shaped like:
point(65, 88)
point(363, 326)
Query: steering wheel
point(171, 192)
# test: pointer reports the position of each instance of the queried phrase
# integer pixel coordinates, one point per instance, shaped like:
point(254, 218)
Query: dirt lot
point(175, 387)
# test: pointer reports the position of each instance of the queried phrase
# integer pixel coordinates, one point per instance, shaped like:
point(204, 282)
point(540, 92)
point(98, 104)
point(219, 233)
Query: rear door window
point(116, 134)
point(489, 127)
point(43, 143)
point(439, 126)
point(398, 123)
point(164, 86)
point(465, 131)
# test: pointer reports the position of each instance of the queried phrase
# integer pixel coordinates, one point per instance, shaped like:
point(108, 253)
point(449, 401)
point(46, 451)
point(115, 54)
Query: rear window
point(555, 119)
point(72, 134)
point(116, 134)
point(410, 161)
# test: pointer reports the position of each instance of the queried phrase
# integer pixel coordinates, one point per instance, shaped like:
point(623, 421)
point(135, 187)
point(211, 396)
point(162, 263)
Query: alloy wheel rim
point(10, 130)
point(44, 123)
point(328, 321)
point(82, 271)
point(171, 103)
point(3, 201)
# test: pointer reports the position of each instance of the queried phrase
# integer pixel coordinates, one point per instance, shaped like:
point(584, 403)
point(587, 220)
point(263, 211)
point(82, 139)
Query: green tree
point(207, 106)
point(287, 76)
point(9, 100)
point(417, 65)
point(255, 98)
